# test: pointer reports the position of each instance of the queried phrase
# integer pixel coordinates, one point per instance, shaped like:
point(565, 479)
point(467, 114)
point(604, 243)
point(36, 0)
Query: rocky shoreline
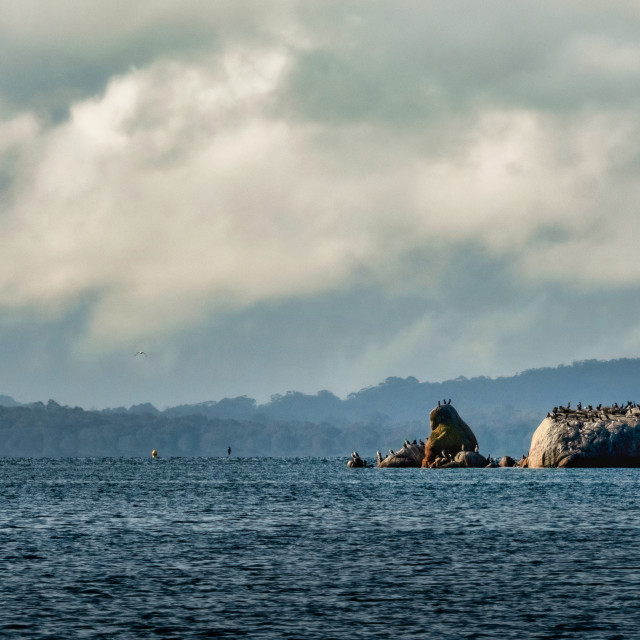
point(580, 437)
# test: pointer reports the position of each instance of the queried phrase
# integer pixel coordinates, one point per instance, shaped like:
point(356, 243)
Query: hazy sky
point(317, 194)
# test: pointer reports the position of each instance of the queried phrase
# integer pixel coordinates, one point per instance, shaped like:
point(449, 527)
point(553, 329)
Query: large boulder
point(449, 435)
point(586, 439)
point(471, 459)
point(410, 455)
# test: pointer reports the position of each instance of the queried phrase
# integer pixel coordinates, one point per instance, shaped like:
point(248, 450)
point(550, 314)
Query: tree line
point(503, 412)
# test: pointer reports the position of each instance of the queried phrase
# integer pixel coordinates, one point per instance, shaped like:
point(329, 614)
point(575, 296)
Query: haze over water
point(306, 548)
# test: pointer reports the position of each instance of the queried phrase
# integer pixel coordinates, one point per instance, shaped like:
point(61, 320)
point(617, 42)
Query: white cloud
point(182, 191)
point(213, 179)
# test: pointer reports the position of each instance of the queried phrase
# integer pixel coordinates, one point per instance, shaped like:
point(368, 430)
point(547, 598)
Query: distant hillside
point(8, 401)
point(503, 412)
point(397, 399)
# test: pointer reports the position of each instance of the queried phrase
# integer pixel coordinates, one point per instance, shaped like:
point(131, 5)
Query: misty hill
point(400, 399)
point(503, 412)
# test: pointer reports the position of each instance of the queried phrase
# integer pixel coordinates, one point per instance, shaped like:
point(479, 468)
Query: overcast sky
point(317, 194)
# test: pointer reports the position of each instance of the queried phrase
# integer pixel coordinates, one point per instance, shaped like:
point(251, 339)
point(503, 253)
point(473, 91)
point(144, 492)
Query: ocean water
point(306, 548)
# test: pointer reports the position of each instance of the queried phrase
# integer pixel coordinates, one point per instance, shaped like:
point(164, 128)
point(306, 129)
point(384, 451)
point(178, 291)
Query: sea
point(306, 548)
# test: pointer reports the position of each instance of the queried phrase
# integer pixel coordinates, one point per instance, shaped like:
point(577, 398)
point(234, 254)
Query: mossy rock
point(449, 433)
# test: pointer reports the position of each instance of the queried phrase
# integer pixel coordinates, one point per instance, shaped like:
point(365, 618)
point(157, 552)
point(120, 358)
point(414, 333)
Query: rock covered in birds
point(449, 435)
point(410, 455)
point(604, 437)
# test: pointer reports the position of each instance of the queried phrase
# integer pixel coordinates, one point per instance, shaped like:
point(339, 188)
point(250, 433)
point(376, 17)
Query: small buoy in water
point(154, 453)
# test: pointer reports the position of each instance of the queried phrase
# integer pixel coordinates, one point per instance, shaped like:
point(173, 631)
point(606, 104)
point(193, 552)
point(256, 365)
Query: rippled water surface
point(306, 548)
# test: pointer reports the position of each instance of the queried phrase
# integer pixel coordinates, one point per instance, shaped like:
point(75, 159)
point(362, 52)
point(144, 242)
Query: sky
point(300, 195)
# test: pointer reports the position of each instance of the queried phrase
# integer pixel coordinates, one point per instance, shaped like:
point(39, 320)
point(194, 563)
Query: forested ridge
point(503, 412)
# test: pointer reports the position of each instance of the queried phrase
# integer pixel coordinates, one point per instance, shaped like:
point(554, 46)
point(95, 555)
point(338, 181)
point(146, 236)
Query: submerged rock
point(586, 439)
point(450, 434)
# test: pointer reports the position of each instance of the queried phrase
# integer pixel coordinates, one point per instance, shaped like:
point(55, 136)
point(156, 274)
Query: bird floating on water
point(139, 353)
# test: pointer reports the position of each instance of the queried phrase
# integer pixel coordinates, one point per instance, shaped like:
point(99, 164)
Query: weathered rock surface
point(410, 455)
point(470, 459)
point(587, 439)
point(449, 435)
point(507, 461)
point(356, 462)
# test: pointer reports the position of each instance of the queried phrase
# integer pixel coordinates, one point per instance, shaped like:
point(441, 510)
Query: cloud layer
point(250, 174)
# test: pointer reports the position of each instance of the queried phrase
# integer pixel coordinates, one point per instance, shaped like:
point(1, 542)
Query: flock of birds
point(590, 413)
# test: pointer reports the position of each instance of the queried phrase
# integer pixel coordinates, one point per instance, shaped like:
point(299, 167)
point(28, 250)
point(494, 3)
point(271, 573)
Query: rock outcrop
point(410, 455)
point(356, 462)
point(471, 459)
point(450, 434)
point(451, 445)
point(602, 437)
